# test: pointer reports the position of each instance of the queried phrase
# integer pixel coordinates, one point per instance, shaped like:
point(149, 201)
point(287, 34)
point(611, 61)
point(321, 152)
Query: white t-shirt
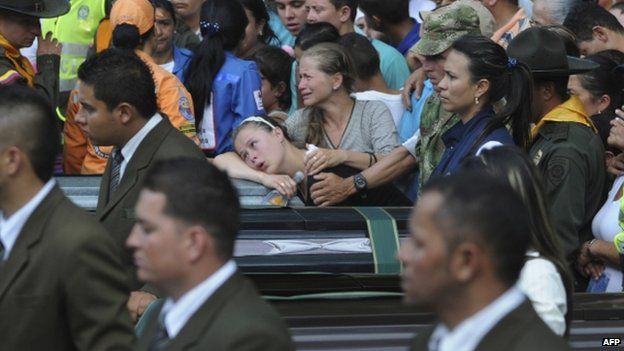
point(393, 102)
point(605, 226)
point(542, 284)
point(168, 66)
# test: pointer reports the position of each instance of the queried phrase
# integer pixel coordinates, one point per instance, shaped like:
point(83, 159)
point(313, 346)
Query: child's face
point(271, 94)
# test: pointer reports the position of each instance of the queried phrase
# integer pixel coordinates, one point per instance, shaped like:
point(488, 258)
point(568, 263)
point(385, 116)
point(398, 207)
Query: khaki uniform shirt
point(571, 159)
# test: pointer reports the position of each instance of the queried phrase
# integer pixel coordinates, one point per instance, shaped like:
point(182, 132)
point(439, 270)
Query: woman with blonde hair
point(350, 132)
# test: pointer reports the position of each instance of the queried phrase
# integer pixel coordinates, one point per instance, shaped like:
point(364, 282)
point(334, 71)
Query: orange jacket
point(79, 155)
point(174, 101)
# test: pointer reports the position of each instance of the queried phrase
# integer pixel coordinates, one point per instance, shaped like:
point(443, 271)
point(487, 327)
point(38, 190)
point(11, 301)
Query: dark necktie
point(161, 339)
point(115, 174)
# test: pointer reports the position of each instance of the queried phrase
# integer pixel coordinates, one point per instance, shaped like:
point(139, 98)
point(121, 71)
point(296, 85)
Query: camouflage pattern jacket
point(434, 121)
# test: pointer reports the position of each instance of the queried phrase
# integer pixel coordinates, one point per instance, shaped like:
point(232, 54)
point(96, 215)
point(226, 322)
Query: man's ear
point(12, 160)
point(196, 242)
point(609, 155)
point(600, 33)
point(344, 14)
point(465, 261)
point(546, 91)
point(124, 112)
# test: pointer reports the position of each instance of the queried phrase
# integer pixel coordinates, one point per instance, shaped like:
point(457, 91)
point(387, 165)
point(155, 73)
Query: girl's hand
point(282, 183)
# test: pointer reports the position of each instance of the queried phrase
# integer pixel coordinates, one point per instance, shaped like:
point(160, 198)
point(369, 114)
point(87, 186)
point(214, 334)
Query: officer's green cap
point(443, 26)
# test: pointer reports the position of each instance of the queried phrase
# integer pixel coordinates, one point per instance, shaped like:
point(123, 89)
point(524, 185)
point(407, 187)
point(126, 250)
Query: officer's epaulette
point(555, 131)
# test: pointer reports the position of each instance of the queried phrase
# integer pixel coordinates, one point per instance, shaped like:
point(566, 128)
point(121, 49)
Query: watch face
point(360, 182)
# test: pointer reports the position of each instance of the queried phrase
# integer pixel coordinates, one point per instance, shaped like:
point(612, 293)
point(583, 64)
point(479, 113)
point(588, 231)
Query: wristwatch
point(361, 185)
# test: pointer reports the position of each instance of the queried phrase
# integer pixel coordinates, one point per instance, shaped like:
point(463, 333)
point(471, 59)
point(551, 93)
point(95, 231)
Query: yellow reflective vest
point(75, 30)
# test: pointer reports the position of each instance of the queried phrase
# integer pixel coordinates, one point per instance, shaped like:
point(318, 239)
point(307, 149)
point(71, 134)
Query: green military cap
point(443, 26)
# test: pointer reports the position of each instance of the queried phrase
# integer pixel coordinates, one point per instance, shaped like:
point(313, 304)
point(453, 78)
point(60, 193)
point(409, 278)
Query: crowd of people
point(500, 120)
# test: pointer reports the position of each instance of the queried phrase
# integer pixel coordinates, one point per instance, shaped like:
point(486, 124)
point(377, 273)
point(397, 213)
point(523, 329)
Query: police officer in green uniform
point(19, 26)
point(566, 147)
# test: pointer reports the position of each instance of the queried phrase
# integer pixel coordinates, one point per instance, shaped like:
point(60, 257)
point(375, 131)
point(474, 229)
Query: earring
point(476, 100)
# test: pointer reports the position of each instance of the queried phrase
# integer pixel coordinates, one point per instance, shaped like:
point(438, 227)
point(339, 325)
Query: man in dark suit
point(118, 107)
point(463, 259)
point(62, 285)
point(187, 222)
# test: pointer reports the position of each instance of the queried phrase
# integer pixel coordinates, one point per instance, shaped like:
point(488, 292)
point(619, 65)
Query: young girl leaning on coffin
point(265, 154)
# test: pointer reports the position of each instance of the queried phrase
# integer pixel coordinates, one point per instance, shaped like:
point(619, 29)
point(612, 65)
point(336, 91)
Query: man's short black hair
point(316, 33)
point(583, 18)
point(480, 208)
point(389, 11)
point(27, 121)
point(198, 194)
point(363, 53)
point(119, 76)
point(353, 4)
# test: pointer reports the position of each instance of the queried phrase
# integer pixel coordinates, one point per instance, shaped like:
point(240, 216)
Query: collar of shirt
point(459, 132)
point(460, 139)
point(177, 313)
point(132, 145)
point(469, 333)
point(11, 227)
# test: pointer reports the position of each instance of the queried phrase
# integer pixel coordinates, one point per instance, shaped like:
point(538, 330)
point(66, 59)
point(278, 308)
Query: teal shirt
point(280, 31)
point(392, 64)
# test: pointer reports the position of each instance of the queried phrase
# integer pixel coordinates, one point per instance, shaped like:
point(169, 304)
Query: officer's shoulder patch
point(557, 170)
point(9, 77)
point(184, 105)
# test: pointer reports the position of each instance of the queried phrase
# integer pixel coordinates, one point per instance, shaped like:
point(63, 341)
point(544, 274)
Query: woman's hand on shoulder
point(320, 159)
point(280, 182)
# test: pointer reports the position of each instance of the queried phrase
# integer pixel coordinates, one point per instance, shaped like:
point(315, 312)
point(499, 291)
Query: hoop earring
point(476, 100)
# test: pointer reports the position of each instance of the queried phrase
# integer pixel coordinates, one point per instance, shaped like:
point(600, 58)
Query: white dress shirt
point(469, 333)
point(11, 227)
point(128, 150)
point(542, 284)
point(175, 314)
